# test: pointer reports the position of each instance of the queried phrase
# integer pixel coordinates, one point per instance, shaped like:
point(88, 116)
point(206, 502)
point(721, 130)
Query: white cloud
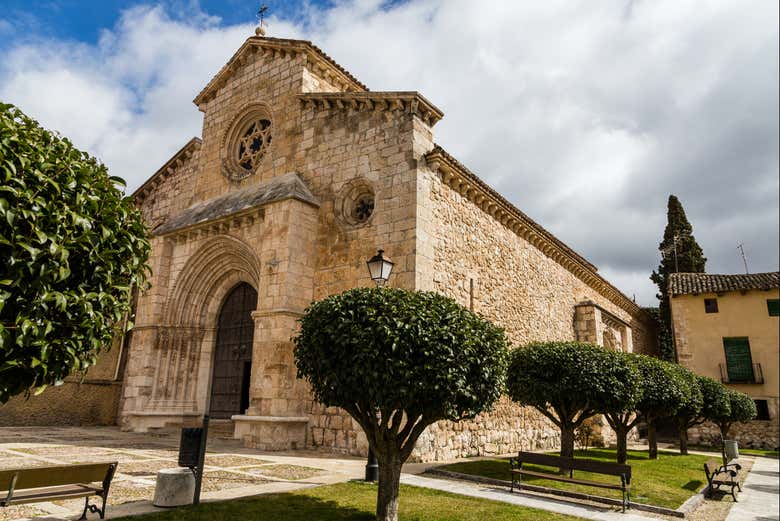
point(586, 115)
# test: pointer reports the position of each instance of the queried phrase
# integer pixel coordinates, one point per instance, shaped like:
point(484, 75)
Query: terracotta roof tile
point(695, 283)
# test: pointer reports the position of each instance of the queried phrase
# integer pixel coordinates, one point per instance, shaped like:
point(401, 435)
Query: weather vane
point(260, 31)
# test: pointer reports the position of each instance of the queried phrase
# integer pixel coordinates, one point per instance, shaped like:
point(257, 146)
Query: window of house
point(773, 305)
point(739, 363)
point(762, 410)
point(710, 305)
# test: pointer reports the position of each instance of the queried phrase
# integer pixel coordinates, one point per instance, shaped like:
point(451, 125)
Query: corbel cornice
point(406, 102)
point(167, 170)
point(469, 185)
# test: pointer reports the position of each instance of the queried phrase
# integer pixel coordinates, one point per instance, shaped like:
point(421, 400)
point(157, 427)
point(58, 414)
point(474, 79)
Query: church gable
point(323, 73)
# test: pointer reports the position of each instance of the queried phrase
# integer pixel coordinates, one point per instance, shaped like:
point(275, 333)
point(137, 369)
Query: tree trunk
point(724, 430)
point(567, 441)
point(622, 444)
point(387, 491)
point(652, 439)
point(684, 439)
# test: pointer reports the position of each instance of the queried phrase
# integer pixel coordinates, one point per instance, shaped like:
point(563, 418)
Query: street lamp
point(379, 267)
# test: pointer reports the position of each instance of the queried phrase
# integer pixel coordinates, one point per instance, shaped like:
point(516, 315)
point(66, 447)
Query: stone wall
point(758, 434)
point(73, 403)
point(487, 267)
point(88, 399)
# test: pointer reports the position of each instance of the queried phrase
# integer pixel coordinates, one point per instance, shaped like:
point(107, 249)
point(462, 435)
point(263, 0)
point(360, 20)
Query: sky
point(586, 115)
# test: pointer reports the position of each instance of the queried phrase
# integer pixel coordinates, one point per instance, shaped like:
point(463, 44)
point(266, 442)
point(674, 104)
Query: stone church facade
point(301, 174)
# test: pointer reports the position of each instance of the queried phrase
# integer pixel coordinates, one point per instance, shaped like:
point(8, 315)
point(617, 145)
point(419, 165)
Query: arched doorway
point(233, 353)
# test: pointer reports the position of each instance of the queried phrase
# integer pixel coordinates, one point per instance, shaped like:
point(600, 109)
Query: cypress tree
point(689, 259)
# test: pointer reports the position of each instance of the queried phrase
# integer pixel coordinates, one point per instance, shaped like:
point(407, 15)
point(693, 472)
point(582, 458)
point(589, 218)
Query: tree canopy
point(742, 409)
point(710, 402)
point(398, 361)
point(71, 248)
point(666, 390)
point(620, 409)
point(689, 258)
point(569, 382)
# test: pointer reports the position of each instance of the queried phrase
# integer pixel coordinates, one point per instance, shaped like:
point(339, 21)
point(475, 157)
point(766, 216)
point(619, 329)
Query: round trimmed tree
point(398, 361)
point(742, 409)
point(620, 407)
point(568, 382)
point(666, 390)
point(71, 248)
point(713, 404)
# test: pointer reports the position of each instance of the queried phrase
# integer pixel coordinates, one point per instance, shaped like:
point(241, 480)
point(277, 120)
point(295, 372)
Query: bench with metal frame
point(570, 465)
point(36, 484)
point(721, 476)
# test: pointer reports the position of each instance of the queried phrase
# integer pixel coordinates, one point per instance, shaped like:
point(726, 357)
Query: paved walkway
point(231, 470)
point(760, 496)
point(527, 500)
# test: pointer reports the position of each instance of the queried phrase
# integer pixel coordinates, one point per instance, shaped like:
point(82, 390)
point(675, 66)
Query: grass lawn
point(354, 501)
point(767, 453)
point(667, 481)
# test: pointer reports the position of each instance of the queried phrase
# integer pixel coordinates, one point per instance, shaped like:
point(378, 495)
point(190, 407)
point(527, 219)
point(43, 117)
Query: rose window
point(253, 143)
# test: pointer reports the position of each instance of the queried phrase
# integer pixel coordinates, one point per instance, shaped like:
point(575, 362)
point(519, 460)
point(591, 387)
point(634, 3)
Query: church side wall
point(485, 266)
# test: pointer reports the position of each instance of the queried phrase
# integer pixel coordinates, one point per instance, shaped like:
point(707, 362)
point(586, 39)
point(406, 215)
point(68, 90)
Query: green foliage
point(71, 248)
point(690, 409)
point(574, 379)
point(716, 399)
point(390, 349)
point(689, 259)
point(666, 390)
point(743, 408)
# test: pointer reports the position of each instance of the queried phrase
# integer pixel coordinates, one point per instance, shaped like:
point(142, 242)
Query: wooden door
point(233, 353)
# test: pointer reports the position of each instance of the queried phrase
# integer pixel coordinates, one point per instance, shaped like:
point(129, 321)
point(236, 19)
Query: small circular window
point(355, 203)
point(246, 142)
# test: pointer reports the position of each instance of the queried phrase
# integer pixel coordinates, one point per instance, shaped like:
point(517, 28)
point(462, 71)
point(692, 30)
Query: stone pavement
point(571, 508)
point(760, 496)
point(231, 470)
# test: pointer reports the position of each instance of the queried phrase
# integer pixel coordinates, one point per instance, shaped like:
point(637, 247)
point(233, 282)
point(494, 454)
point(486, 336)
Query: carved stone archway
point(187, 335)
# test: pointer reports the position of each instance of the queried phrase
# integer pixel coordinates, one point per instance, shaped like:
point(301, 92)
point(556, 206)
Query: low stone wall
point(72, 403)
point(506, 429)
point(757, 434)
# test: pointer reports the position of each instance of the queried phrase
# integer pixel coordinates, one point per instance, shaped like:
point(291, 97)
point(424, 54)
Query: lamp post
point(379, 267)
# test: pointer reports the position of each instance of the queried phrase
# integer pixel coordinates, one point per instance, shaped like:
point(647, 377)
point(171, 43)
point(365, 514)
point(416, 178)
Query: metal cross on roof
point(261, 13)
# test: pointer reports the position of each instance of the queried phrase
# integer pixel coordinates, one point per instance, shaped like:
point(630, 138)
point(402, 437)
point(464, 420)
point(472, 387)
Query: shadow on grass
point(271, 507)
point(693, 485)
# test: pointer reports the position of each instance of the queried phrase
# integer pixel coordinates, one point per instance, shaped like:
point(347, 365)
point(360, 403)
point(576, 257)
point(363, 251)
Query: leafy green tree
point(568, 382)
point(742, 409)
point(398, 361)
point(680, 253)
point(666, 390)
point(714, 404)
point(621, 404)
point(71, 248)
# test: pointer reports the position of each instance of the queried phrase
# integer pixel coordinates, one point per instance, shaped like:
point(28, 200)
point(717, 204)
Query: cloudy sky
point(585, 114)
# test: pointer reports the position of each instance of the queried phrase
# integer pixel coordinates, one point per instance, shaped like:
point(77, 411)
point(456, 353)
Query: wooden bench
point(721, 475)
point(570, 465)
point(33, 485)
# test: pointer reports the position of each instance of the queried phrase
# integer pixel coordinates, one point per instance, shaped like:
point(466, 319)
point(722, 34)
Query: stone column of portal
point(276, 418)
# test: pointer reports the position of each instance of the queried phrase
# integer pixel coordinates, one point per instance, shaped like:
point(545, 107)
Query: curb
point(681, 512)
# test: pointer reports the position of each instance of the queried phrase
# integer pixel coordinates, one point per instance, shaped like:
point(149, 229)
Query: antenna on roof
point(260, 29)
point(741, 249)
